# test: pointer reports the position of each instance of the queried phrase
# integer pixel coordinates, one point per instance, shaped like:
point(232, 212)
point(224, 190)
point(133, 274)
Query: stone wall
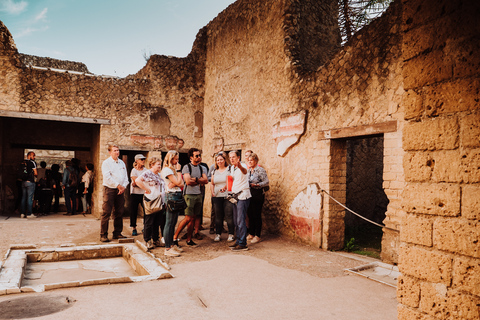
point(43, 62)
point(440, 252)
point(156, 109)
point(261, 71)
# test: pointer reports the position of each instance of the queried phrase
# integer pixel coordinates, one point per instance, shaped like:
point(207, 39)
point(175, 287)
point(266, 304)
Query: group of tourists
point(166, 190)
point(39, 187)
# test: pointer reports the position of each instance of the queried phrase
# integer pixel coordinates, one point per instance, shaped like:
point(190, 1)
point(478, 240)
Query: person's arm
point(140, 183)
point(189, 180)
point(242, 168)
point(203, 180)
point(212, 186)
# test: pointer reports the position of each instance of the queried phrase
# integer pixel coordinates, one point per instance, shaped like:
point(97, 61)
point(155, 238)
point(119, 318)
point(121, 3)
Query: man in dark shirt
point(28, 186)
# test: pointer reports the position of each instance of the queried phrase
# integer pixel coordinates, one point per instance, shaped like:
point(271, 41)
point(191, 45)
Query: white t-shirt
point(136, 173)
point(240, 183)
point(165, 173)
point(220, 180)
point(155, 183)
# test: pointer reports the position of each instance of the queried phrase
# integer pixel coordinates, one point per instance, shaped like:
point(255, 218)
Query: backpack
point(72, 178)
point(22, 171)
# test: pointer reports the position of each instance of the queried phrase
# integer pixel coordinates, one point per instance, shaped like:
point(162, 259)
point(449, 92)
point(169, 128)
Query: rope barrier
point(358, 215)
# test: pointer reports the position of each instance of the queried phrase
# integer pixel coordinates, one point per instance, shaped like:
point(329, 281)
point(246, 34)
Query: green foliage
point(350, 245)
point(355, 14)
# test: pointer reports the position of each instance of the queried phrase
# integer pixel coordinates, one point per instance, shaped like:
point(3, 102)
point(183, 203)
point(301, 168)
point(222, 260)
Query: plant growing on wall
point(355, 14)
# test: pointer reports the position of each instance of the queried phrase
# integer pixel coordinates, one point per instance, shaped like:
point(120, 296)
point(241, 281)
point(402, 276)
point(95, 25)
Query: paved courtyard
point(276, 279)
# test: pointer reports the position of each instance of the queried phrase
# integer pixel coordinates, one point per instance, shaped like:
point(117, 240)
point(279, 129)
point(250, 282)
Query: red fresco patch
point(305, 228)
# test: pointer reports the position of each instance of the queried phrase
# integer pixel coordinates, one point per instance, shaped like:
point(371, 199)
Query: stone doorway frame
point(333, 232)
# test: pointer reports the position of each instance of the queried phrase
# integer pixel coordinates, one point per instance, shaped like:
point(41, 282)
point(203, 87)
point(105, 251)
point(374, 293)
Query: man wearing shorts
point(195, 176)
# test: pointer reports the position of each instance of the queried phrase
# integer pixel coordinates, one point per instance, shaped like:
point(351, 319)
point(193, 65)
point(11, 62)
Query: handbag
point(152, 206)
point(176, 205)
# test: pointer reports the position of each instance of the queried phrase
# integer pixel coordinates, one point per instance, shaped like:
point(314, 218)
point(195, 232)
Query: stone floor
point(276, 279)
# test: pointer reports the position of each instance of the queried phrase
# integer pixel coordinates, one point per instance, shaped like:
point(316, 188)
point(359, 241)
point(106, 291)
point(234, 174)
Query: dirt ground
point(276, 250)
point(276, 279)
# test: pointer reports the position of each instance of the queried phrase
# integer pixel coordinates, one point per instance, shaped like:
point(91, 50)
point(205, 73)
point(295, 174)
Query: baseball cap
point(139, 156)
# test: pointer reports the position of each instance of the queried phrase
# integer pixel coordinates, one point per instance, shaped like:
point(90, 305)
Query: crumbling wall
point(156, 109)
point(45, 62)
point(275, 72)
point(440, 252)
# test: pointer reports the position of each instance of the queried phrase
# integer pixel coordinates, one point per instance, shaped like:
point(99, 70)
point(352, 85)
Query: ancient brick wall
point(263, 66)
point(156, 109)
point(440, 252)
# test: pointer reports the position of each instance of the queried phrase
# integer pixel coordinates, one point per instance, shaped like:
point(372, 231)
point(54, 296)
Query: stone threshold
point(378, 271)
point(143, 263)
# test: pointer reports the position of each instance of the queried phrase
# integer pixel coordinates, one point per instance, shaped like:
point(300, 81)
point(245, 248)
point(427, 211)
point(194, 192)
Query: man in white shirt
point(115, 180)
point(241, 188)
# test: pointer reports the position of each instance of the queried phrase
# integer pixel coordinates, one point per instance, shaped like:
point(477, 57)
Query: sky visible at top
point(110, 36)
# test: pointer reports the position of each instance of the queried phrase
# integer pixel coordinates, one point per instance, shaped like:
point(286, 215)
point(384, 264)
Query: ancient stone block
point(429, 265)
point(457, 166)
point(457, 235)
point(452, 96)
point(431, 134)
point(436, 199)
point(417, 230)
point(413, 104)
point(470, 130)
point(408, 291)
point(287, 132)
point(418, 166)
point(471, 202)
point(405, 313)
point(463, 49)
point(466, 275)
point(426, 69)
point(437, 300)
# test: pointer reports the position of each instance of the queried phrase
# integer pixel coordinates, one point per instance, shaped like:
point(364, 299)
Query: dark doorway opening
point(365, 195)
point(47, 138)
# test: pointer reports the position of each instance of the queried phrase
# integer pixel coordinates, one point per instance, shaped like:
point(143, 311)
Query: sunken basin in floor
point(28, 269)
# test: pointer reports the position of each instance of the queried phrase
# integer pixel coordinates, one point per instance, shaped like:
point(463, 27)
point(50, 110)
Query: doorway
point(365, 194)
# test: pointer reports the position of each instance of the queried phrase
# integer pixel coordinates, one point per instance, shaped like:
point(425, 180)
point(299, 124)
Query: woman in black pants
point(258, 180)
point(136, 193)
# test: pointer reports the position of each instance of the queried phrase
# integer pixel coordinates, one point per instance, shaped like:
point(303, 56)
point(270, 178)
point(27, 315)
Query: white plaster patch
point(308, 203)
point(287, 132)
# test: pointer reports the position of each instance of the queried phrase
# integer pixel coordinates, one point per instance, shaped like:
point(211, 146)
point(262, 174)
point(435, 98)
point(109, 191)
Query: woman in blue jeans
point(172, 175)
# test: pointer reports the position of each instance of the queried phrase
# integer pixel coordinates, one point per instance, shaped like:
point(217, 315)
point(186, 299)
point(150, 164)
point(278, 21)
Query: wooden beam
point(367, 130)
point(51, 117)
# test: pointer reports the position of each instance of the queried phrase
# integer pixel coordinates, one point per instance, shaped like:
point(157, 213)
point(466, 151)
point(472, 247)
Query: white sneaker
point(249, 237)
point(231, 237)
point(256, 239)
point(162, 240)
point(217, 238)
point(32, 216)
point(171, 252)
point(177, 248)
point(22, 216)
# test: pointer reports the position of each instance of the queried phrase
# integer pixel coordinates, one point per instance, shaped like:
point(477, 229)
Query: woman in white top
point(152, 183)
point(172, 175)
point(241, 188)
point(222, 207)
point(136, 193)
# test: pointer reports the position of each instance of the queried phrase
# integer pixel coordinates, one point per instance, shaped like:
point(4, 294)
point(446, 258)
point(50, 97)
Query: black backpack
point(72, 178)
point(22, 171)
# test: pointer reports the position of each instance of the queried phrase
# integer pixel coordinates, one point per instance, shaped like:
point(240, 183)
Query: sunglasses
point(198, 156)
